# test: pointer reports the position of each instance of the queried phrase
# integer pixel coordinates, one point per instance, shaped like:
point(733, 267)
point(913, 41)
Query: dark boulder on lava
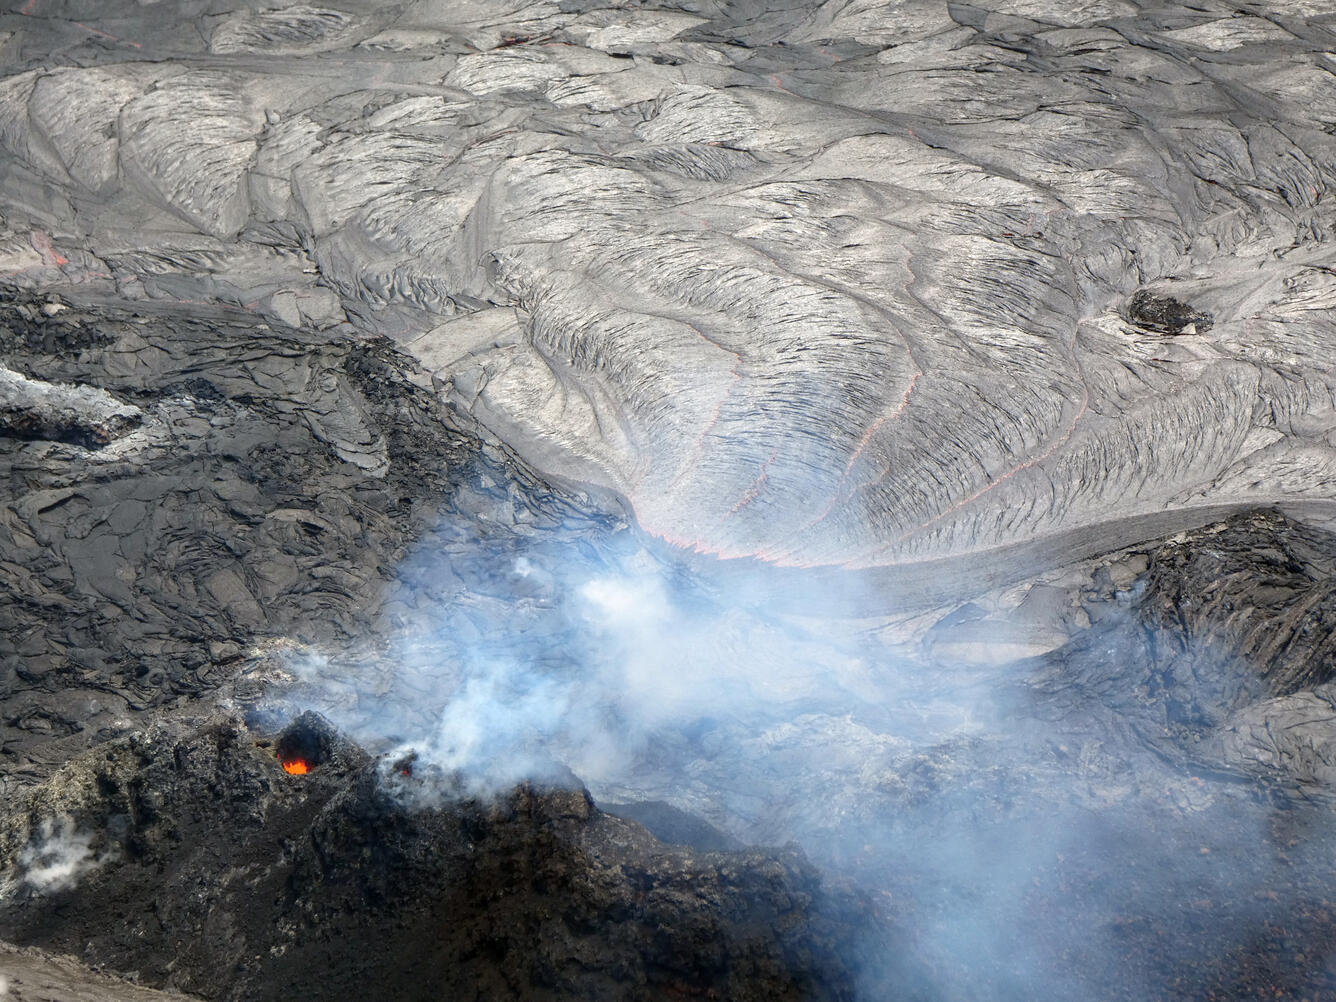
point(188, 855)
point(1165, 314)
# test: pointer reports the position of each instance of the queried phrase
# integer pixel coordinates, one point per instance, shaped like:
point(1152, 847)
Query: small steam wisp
point(57, 856)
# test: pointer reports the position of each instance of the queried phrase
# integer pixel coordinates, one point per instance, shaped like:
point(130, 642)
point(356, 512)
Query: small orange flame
point(297, 767)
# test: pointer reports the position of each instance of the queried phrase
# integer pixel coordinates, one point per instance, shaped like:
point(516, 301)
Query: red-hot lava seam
point(1059, 443)
point(41, 242)
point(106, 34)
point(752, 492)
point(867, 437)
point(51, 258)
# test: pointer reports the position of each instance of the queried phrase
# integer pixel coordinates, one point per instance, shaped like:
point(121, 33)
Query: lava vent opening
point(305, 744)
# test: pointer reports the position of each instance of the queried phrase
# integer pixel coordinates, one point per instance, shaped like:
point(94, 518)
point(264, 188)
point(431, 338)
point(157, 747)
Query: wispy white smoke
point(57, 858)
point(620, 659)
point(643, 664)
point(496, 727)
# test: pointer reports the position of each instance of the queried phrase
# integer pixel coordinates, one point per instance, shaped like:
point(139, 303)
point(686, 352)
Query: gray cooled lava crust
point(839, 283)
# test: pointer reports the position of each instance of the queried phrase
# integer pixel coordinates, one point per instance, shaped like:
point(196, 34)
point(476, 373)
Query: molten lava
point(296, 767)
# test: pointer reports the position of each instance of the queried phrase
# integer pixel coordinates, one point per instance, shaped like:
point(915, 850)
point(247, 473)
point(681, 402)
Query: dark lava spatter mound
point(203, 866)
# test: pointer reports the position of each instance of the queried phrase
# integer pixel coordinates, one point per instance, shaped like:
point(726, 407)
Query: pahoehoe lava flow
point(667, 499)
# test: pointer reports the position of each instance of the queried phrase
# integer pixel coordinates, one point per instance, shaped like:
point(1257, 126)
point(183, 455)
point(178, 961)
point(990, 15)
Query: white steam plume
point(936, 786)
point(637, 664)
point(57, 858)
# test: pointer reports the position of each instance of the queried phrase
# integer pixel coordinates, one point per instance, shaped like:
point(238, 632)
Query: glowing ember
point(297, 767)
